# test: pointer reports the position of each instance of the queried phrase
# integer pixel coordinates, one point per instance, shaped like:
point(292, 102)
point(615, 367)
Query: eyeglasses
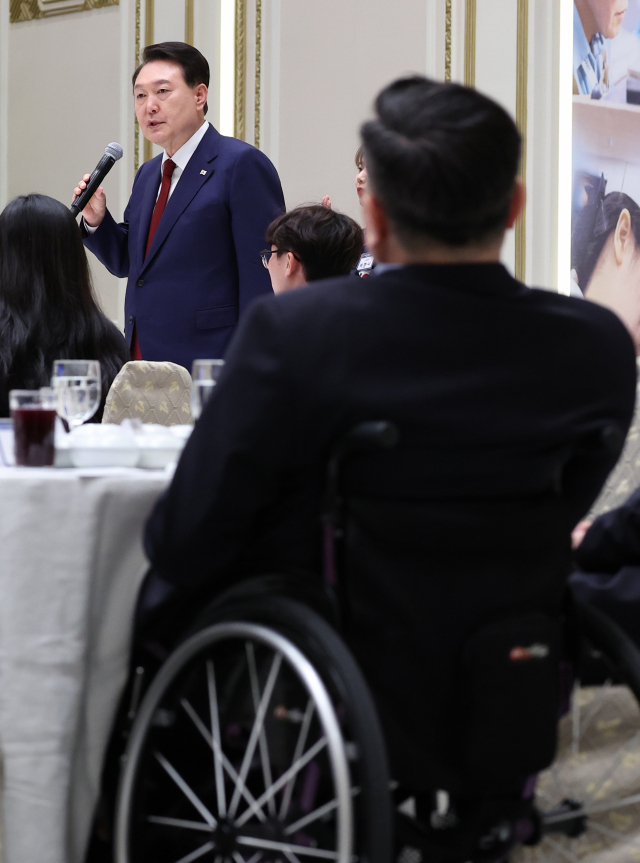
point(265, 254)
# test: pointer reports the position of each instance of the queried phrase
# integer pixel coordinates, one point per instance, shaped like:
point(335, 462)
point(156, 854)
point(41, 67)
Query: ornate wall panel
point(240, 95)
point(28, 10)
point(522, 79)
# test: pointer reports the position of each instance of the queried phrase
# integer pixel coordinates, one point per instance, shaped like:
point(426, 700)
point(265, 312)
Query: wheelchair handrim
point(315, 689)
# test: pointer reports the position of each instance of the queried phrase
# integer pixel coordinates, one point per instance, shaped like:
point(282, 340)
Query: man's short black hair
point(195, 69)
point(442, 159)
point(327, 243)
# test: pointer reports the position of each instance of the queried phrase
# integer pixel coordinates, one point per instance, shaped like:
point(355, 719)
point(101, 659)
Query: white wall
point(328, 62)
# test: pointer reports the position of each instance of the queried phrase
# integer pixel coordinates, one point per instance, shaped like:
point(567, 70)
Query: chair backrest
point(624, 479)
point(452, 606)
point(151, 392)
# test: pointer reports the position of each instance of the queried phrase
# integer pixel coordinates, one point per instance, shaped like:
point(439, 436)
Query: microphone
point(112, 152)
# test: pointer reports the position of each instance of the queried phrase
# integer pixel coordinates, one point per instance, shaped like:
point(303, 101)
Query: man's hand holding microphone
point(88, 196)
point(94, 210)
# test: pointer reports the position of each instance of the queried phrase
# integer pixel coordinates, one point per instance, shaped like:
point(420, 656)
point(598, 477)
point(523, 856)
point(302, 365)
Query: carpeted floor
point(598, 763)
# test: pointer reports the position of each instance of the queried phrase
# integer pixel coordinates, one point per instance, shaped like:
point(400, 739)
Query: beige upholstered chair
point(625, 477)
point(151, 392)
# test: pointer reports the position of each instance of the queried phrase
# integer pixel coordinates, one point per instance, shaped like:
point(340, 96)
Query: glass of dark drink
point(34, 416)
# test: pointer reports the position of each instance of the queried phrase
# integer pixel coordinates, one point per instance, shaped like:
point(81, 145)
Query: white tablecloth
point(71, 562)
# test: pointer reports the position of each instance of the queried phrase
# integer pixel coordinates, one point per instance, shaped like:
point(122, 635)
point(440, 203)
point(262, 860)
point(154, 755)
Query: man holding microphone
point(195, 224)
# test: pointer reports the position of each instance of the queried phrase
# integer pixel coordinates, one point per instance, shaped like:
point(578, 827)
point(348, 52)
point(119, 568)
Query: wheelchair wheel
point(590, 796)
point(257, 741)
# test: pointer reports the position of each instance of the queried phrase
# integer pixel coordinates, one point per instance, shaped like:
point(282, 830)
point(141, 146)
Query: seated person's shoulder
point(590, 340)
point(580, 314)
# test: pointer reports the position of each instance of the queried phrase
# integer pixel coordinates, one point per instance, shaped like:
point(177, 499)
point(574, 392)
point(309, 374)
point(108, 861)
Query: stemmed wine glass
point(205, 374)
point(78, 387)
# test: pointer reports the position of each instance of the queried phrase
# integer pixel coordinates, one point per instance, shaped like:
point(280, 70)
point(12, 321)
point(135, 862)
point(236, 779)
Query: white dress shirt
point(180, 158)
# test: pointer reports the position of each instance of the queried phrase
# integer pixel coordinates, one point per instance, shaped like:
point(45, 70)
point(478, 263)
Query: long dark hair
point(594, 224)
point(48, 309)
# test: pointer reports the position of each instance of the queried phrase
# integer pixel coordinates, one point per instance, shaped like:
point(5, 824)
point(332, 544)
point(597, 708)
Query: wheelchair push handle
point(373, 434)
point(366, 436)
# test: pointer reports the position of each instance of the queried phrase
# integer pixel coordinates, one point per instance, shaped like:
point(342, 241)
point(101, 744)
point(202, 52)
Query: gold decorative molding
point(258, 72)
point(240, 94)
point(149, 20)
point(136, 63)
point(30, 10)
point(522, 66)
point(188, 21)
point(447, 41)
point(470, 43)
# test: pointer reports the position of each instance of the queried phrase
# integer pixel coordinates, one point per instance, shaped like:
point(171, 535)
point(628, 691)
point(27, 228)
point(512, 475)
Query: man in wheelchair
point(445, 535)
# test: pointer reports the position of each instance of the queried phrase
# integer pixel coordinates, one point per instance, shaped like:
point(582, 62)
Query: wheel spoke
point(187, 791)
point(312, 816)
point(255, 732)
point(621, 754)
point(179, 822)
point(264, 749)
point(614, 834)
point(300, 744)
point(575, 719)
point(286, 776)
point(240, 859)
point(291, 857)
point(215, 737)
point(590, 715)
point(268, 845)
point(199, 852)
point(599, 807)
point(228, 766)
point(563, 852)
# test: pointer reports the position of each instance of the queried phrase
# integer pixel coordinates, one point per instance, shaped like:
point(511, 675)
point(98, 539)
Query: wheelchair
point(259, 739)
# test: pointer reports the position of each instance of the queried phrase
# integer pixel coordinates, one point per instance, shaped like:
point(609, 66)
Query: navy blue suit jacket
point(203, 267)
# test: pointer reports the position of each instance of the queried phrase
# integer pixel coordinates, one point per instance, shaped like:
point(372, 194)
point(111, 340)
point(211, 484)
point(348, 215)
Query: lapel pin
point(202, 173)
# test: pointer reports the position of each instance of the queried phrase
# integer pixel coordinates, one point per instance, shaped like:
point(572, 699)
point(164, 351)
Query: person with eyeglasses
point(310, 243)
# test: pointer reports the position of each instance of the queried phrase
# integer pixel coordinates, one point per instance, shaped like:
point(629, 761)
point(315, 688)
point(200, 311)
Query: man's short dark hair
point(195, 69)
point(327, 243)
point(442, 159)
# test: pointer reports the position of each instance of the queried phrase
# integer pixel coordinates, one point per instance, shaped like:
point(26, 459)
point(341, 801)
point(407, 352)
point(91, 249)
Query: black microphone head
point(114, 150)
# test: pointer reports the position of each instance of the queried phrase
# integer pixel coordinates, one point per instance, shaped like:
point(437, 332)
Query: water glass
point(205, 374)
point(79, 388)
point(34, 417)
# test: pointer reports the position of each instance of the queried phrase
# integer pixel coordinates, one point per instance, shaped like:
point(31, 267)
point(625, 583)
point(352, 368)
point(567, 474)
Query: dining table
point(71, 564)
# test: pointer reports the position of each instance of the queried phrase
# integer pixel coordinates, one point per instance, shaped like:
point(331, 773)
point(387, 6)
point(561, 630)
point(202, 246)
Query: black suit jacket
point(499, 393)
point(609, 565)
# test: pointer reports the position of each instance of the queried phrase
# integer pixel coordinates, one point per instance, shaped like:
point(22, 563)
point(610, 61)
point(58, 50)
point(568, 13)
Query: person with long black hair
point(48, 309)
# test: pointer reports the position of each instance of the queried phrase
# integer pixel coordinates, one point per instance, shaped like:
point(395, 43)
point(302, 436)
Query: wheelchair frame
point(569, 818)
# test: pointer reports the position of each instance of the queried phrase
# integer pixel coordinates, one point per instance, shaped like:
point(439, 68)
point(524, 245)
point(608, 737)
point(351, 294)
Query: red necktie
point(161, 203)
point(158, 210)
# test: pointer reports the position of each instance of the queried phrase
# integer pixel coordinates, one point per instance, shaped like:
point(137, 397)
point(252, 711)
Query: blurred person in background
point(48, 309)
point(309, 243)
point(365, 263)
